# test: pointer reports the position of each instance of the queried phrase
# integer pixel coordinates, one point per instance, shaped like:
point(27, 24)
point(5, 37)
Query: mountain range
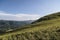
point(7, 24)
point(45, 28)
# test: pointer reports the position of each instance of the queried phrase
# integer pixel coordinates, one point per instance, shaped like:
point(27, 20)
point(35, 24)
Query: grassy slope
point(45, 30)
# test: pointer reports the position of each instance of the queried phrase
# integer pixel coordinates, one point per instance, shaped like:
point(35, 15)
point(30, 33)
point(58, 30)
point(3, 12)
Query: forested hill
point(48, 17)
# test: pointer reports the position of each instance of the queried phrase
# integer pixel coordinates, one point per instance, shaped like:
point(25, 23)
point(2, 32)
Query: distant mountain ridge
point(7, 24)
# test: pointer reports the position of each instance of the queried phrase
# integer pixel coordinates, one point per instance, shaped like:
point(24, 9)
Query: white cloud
point(18, 17)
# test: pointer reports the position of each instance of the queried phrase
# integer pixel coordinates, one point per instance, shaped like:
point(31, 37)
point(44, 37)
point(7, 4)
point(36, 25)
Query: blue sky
point(27, 9)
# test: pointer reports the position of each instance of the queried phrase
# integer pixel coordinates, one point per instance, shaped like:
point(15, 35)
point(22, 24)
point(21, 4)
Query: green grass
point(44, 30)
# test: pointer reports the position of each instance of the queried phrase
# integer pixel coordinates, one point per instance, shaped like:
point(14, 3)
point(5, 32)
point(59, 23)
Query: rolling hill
point(45, 28)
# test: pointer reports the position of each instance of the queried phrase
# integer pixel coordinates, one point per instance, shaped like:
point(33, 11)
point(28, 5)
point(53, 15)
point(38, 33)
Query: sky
point(21, 10)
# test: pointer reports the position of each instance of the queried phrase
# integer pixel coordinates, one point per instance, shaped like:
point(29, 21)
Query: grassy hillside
point(41, 30)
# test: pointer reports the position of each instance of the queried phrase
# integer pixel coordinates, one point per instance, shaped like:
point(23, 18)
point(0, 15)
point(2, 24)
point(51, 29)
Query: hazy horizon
point(20, 10)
